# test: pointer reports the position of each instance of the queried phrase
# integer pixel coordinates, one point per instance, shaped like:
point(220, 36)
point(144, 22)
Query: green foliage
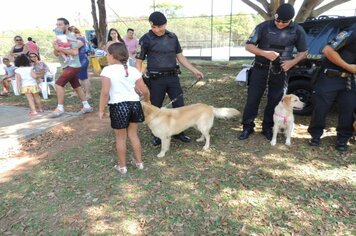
point(170, 9)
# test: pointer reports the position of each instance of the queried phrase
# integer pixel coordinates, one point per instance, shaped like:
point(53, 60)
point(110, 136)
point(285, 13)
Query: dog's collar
point(284, 118)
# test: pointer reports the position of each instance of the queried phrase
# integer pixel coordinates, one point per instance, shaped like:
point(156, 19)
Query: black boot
point(182, 137)
point(314, 142)
point(268, 134)
point(245, 134)
point(156, 141)
point(341, 146)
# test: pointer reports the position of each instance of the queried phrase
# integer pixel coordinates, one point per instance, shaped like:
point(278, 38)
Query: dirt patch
point(58, 138)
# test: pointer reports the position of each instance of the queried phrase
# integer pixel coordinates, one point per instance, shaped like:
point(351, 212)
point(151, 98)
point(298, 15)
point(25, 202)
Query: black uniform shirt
point(161, 51)
point(345, 44)
point(267, 36)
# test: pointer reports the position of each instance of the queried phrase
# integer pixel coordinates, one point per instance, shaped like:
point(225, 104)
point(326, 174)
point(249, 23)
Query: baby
point(64, 42)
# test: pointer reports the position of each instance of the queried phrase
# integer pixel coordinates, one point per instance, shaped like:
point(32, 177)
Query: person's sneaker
point(86, 110)
point(56, 113)
point(121, 170)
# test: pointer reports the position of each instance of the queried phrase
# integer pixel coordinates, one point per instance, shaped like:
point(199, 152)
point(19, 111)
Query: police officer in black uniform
point(272, 42)
point(163, 50)
point(337, 82)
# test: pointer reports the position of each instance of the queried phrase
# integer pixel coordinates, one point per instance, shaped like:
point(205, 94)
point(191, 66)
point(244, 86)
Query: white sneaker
point(56, 113)
point(121, 170)
point(86, 110)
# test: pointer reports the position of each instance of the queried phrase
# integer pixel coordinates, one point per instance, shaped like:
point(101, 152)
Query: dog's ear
point(287, 100)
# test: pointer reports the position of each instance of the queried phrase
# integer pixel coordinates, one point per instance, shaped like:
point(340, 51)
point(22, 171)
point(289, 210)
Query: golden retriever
point(283, 117)
point(165, 122)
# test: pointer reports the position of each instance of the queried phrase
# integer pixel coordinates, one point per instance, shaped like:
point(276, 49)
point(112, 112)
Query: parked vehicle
point(319, 32)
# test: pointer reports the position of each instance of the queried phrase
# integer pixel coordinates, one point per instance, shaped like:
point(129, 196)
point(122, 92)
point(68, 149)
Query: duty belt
point(158, 74)
point(266, 66)
point(336, 73)
point(348, 76)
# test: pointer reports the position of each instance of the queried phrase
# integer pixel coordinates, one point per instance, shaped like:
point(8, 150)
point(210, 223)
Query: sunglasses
point(18, 39)
point(33, 56)
point(282, 21)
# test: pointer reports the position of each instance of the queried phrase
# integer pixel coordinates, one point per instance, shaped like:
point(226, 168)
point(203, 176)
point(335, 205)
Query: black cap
point(157, 18)
point(285, 12)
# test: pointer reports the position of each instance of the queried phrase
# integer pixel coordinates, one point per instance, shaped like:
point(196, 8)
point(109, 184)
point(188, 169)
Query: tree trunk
point(99, 25)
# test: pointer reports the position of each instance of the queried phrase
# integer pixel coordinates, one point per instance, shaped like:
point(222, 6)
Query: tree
point(309, 8)
point(167, 8)
point(99, 25)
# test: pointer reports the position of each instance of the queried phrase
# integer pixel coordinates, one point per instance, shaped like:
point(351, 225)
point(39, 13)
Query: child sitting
point(120, 82)
point(26, 83)
point(9, 75)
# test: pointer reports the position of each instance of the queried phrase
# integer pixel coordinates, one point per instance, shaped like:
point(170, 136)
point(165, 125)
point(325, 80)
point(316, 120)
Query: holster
point(248, 76)
point(146, 80)
point(316, 75)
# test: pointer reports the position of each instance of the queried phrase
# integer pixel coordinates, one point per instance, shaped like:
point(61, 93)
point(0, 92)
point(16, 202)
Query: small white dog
point(283, 117)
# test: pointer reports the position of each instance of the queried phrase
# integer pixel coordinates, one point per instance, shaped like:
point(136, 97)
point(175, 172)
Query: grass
point(235, 188)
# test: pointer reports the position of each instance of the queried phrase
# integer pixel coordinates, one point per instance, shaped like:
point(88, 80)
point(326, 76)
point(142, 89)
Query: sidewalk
point(16, 126)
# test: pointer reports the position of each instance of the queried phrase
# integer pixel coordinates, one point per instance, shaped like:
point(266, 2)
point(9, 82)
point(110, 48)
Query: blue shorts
point(124, 113)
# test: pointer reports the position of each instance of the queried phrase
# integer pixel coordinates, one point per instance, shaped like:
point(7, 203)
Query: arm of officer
point(142, 89)
point(138, 64)
point(286, 65)
point(335, 58)
point(183, 60)
point(270, 55)
point(104, 95)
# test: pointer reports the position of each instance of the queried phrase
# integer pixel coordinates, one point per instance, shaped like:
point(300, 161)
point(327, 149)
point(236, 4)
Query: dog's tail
point(225, 113)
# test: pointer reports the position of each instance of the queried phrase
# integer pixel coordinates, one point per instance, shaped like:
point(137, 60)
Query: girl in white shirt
point(26, 83)
point(120, 87)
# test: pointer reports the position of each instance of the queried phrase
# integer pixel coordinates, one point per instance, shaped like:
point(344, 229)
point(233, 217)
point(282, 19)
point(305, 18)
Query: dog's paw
point(200, 139)
point(273, 142)
point(288, 143)
point(160, 155)
point(206, 148)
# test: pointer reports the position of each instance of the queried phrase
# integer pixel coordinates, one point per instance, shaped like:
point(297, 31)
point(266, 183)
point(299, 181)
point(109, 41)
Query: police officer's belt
point(160, 74)
point(265, 66)
point(336, 73)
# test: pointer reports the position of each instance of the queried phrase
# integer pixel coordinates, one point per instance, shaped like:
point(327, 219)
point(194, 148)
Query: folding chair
point(49, 80)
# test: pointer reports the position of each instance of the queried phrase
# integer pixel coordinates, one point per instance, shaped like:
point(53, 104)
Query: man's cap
point(157, 18)
point(285, 12)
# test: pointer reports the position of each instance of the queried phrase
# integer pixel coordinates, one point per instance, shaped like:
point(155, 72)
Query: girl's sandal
point(121, 170)
point(32, 114)
point(138, 165)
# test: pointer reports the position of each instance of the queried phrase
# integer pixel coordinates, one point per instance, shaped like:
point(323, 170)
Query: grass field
point(235, 188)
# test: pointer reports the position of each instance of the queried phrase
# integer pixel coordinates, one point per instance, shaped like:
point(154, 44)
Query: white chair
point(14, 87)
point(49, 80)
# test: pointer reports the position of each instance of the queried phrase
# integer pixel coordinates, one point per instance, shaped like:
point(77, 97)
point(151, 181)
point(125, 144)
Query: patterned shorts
point(123, 113)
point(30, 89)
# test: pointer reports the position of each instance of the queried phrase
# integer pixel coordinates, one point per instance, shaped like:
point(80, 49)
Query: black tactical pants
point(327, 91)
point(168, 84)
point(257, 86)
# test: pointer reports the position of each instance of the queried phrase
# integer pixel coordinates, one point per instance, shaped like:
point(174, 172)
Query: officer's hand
point(286, 65)
point(198, 74)
point(271, 55)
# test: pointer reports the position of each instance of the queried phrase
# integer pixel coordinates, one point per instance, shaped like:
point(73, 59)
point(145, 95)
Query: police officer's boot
point(156, 141)
point(182, 137)
point(314, 142)
point(341, 146)
point(245, 134)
